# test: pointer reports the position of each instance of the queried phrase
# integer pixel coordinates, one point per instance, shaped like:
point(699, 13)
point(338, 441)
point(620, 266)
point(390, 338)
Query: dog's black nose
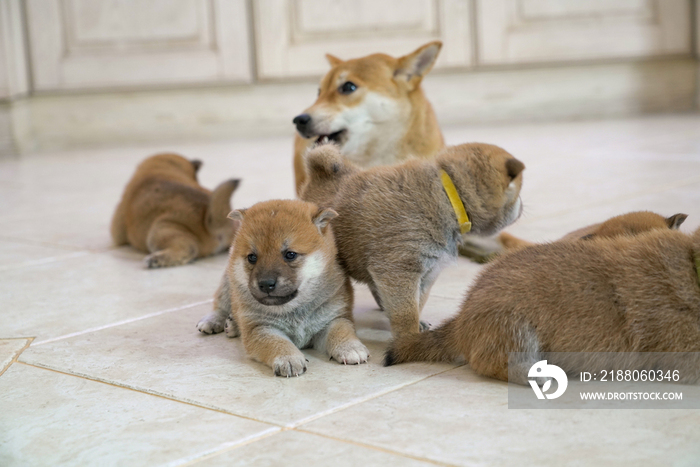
point(301, 120)
point(267, 285)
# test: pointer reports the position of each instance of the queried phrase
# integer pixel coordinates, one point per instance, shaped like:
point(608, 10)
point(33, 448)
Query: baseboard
point(42, 122)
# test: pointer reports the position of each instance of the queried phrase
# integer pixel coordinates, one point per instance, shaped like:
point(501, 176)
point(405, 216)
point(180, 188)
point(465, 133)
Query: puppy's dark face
point(280, 252)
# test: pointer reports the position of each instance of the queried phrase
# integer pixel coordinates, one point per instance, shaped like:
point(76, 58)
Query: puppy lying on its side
point(284, 289)
point(397, 226)
point(625, 224)
point(164, 211)
point(628, 293)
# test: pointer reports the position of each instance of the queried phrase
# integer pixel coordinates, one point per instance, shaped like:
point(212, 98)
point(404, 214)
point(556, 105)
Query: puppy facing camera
point(283, 289)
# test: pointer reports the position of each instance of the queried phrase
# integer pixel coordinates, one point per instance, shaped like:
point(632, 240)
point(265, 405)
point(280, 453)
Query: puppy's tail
point(430, 346)
point(325, 168)
point(325, 162)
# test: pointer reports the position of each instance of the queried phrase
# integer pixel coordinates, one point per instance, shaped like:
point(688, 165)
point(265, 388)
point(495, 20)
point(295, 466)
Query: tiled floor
point(101, 364)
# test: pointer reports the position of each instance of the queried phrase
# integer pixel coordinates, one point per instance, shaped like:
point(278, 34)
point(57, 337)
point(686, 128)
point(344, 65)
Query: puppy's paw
point(290, 365)
point(423, 326)
point(211, 324)
point(231, 328)
point(351, 352)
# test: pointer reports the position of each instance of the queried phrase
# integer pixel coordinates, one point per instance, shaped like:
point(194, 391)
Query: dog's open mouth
point(338, 138)
point(277, 301)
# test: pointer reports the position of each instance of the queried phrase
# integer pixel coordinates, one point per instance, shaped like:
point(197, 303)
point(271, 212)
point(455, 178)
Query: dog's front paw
point(290, 365)
point(231, 328)
point(423, 326)
point(211, 324)
point(352, 352)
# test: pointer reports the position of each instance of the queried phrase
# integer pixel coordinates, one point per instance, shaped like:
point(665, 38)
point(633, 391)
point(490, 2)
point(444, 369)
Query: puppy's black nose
point(301, 121)
point(267, 285)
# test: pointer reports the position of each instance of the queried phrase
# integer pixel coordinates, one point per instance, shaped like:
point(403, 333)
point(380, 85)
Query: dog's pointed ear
point(196, 164)
point(237, 215)
point(674, 222)
point(414, 66)
point(514, 167)
point(333, 60)
point(323, 217)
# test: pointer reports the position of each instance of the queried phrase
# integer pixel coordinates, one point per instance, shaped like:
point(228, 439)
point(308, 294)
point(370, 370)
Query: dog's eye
point(252, 259)
point(290, 255)
point(347, 87)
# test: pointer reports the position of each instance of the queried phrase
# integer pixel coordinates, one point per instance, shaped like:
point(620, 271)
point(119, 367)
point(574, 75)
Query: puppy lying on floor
point(617, 293)
point(631, 223)
point(284, 290)
point(399, 226)
point(164, 211)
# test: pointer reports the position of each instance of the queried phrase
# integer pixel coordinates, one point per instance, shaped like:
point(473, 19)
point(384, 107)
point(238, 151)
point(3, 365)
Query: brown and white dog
point(374, 109)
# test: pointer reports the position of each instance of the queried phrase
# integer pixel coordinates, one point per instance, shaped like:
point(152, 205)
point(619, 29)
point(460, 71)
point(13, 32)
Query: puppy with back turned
point(632, 284)
point(164, 211)
point(399, 226)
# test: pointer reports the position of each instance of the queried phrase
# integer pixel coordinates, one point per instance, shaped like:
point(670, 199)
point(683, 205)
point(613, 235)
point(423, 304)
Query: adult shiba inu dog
point(165, 212)
point(399, 226)
point(284, 289)
point(374, 109)
point(617, 293)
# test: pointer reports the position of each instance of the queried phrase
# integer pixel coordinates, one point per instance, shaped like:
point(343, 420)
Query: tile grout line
point(42, 243)
point(358, 401)
point(49, 260)
point(376, 448)
point(18, 353)
point(126, 321)
point(148, 393)
point(192, 460)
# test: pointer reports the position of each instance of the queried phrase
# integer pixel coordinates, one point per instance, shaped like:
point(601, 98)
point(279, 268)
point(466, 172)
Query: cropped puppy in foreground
point(284, 289)
point(374, 109)
point(636, 293)
point(399, 226)
point(631, 223)
point(164, 211)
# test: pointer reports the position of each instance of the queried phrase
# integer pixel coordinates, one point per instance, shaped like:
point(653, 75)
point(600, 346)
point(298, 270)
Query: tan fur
point(164, 211)
point(396, 228)
point(631, 223)
point(637, 293)
point(387, 119)
point(278, 304)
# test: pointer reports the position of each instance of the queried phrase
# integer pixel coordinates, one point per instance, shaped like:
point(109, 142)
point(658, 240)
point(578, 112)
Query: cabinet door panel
point(516, 31)
point(293, 36)
point(88, 43)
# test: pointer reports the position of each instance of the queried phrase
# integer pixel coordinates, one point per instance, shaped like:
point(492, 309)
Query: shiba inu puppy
point(284, 289)
point(165, 212)
point(637, 293)
point(631, 223)
point(374, 109)
point(399, 226)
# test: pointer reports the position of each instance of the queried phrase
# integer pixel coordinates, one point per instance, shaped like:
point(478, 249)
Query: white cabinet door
point(108, 43)
point(517, 31)
point(13, 65)
point(293, 36)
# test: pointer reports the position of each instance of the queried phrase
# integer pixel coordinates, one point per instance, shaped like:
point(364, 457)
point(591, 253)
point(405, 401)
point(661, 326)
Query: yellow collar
point(462, 217)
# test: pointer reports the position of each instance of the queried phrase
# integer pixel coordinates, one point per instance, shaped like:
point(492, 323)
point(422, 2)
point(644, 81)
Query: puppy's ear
point(323, 217)
point(675, 221)
point(237, 215)
point(220, 202)
point(333, 60)
point(197, 164)
point(414, 66)
point(514, 167)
